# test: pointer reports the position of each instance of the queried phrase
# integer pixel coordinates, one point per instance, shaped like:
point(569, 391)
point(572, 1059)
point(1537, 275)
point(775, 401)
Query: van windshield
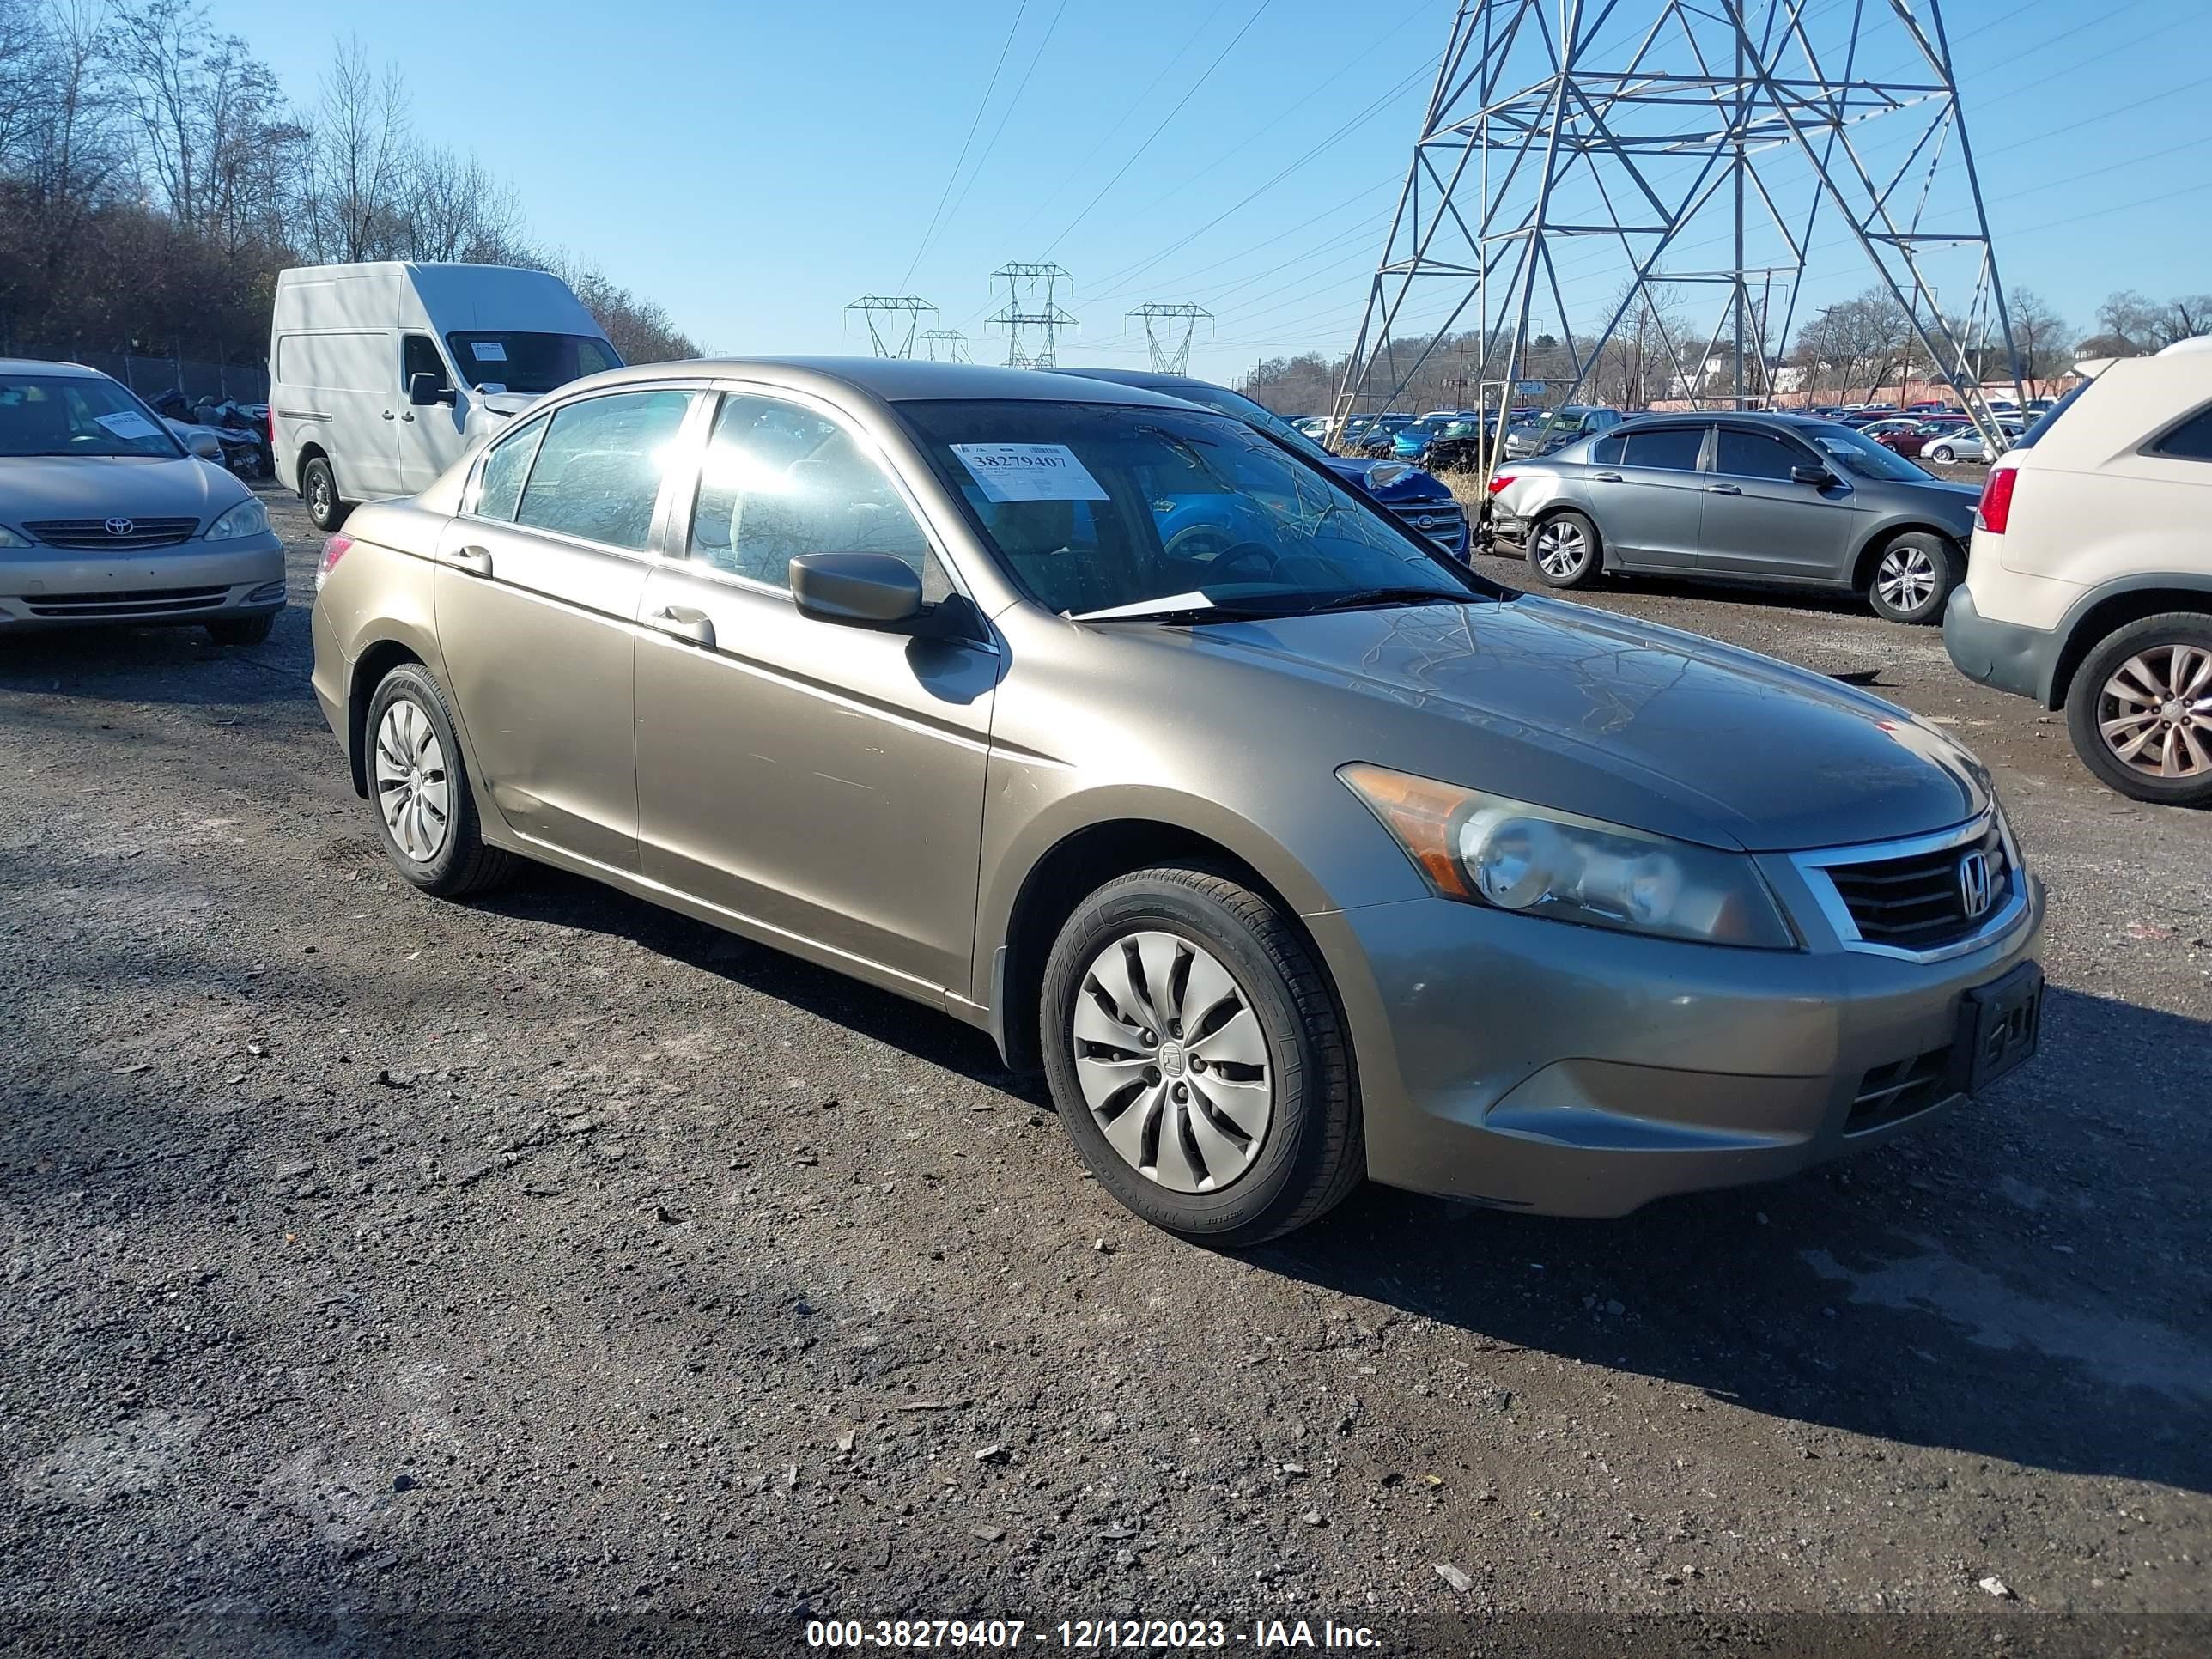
point(508, 359)
point(78, 415)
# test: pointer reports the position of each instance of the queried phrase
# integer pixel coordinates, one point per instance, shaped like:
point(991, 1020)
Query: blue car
point(1418, 500)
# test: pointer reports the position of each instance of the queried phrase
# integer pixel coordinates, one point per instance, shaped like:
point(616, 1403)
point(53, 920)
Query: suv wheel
point(420, 788)
point(1198, 1059)
point(319, 489)
point(1912, 577)
point(1564, 551)
point(2140, 709)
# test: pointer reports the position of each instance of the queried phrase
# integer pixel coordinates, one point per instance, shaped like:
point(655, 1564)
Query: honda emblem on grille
point(120, 526)
point(1974, 884)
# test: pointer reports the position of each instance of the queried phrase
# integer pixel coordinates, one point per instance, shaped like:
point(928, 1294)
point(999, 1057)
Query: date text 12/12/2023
point(1090, 1635)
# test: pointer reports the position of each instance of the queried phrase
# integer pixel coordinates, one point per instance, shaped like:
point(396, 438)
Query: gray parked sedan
point(1742, 496)
point(105, 518)
point(1309, 857)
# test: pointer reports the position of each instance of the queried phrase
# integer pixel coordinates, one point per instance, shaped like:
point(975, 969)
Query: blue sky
point(755, 165)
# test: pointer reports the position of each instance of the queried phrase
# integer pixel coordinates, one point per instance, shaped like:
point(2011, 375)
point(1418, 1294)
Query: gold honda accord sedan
point(1291, 850)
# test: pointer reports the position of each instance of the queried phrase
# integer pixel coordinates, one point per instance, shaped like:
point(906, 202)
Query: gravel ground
point(371, 1259)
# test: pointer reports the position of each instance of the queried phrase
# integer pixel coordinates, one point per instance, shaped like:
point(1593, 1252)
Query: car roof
point(1748, 416)
point(885, 379)
point(40, 365)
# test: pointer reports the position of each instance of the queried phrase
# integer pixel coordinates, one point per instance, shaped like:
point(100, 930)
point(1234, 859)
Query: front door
point(1760, 521)
point(1646, 494)
point(820, 780)
point(537, 593)
point(426, 441)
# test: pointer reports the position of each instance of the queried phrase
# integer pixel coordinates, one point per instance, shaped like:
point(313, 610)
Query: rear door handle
point(1607, 478)
point(1723, 489)
point(682, 622)
point(389, 416)
point(470, 561)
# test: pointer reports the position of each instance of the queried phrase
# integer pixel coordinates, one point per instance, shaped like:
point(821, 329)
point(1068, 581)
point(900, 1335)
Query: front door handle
point(470, 561)
point(1607, 477)
point(682, 622)
point(409, 415)
point(1723, 489)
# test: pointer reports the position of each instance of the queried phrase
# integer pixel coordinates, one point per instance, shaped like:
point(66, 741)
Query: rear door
point(1760, 521)
point(538, 589)
point(824, 781)
point(339, 400)
point(1646, 494)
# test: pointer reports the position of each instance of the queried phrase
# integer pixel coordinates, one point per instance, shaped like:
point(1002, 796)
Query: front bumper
point(2006, 655)
point(1570, 1071)
point(194, 582)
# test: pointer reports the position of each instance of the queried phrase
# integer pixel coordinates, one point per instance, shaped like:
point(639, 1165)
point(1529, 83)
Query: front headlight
point(1487, 849)
point(248, 518)
point(1382, 476)
point(10, 539)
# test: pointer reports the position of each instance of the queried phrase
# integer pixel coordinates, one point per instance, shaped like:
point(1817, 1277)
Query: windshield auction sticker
point(126, 425)
point(1029, 472)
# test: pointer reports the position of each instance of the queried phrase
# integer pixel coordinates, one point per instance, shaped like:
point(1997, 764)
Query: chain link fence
point(200, 379)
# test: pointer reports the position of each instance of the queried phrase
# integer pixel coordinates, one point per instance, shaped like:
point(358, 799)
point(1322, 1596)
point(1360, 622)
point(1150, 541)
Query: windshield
point(1237, 406)
point(1863, 455)
point(508, 359)
point(1095, 508)
point(78, 415)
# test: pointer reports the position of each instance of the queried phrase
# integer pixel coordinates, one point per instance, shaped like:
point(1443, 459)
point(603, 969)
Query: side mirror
point(204, 444)
point(423, 390)
point(1819, 476)
point(862, 590)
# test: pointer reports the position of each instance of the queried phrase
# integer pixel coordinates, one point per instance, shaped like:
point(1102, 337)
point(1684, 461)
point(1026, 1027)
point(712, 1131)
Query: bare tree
point(2042, 336)
point(456, 210)
point(2139, 322)
point(359, 160)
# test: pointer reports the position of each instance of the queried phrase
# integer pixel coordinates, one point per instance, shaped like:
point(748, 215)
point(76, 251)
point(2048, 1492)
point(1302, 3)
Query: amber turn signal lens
point(1419, 812)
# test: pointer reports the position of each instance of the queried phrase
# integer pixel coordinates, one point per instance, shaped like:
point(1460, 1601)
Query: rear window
point(2027, 439)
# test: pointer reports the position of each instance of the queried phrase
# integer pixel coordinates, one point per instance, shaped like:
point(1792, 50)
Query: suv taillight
point(1499, 481)
point(1994, 511)
point(333, 551)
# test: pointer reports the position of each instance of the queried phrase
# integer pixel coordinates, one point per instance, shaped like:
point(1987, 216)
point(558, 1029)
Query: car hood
point(1626, 721)
point(1415, 486)
point(115, 487)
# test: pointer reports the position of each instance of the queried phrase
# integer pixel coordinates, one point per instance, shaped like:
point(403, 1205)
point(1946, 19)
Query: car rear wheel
point(1564, 551)
point(319, 489)
point(1943, 455)
point(1912, 578)
point(2140, 710)
point(420, 788)
point(1198, 1059)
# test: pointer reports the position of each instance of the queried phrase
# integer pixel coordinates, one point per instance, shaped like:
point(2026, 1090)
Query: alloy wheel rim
point(1172, 1062)
point(1561, 549)
point(2156, 712)
point(413, 791)
point(320, 496)
point(1907, 577)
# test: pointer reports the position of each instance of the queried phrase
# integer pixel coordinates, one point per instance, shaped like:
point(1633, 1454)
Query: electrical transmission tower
point(1171, 356)
point(947, 345)
point(892, 320)
point(1032, 304)
point(1638, 154)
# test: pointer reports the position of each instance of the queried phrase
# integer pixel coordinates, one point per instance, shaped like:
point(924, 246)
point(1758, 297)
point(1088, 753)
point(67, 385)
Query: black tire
point(242, 630)
point(1312, 1153)
point(1576, 534)
point(2087, 709)
point(463, 862)
point(318, 490)
point(1924, 566)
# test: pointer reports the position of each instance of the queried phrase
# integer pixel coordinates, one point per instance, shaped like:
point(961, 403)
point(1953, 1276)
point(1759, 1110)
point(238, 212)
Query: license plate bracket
point(1999, 1026)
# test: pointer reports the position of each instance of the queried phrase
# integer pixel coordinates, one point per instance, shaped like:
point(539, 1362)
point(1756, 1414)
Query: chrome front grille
point(1924, 898)
point(115, 535)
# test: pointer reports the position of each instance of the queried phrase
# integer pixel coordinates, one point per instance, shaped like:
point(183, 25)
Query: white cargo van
point(381, 375)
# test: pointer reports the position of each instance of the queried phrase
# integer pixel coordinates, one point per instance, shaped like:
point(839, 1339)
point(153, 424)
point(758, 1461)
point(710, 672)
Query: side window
point(419, 354)
point(598, 467)
point(499, 487)
point(2190, 441)
point(1605, 452)
point(779, 481)
point(1666, 449)
point(1756, 455)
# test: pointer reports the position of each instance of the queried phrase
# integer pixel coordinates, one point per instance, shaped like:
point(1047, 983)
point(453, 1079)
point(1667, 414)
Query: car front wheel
point(1198, 1059)
point(1941, 455)
point(1912, 578)
point(2140, 710)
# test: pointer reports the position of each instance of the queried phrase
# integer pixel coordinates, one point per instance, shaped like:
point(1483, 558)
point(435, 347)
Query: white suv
point(2089, 585)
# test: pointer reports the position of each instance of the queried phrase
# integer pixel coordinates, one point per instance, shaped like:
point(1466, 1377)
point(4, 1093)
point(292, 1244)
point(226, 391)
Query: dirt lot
point(371, 1260)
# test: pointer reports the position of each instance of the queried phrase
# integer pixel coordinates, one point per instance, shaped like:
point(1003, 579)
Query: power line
point(1028, 74)
point(992, 86)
